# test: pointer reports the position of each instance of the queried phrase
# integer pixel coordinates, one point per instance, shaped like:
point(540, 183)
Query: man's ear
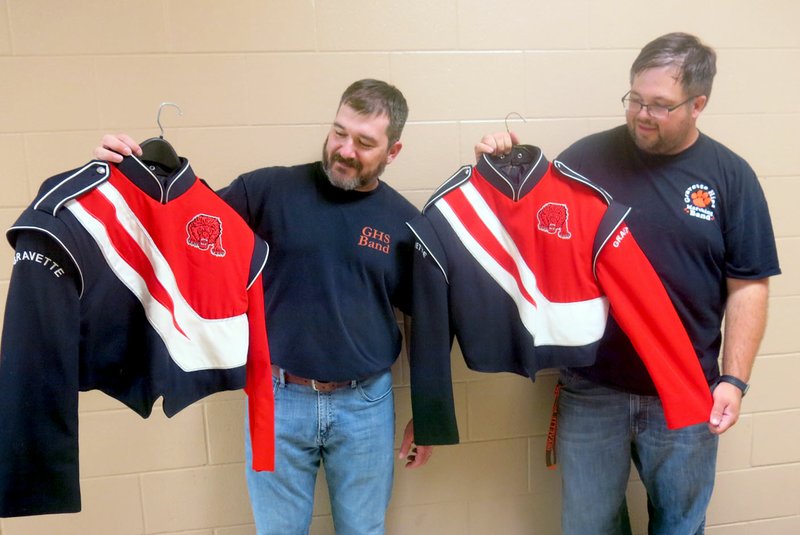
point(393, 151)
point(699, 105)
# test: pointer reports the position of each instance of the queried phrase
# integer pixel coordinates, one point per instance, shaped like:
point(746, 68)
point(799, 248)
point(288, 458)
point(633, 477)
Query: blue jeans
point(600, 430)
point(349, 430)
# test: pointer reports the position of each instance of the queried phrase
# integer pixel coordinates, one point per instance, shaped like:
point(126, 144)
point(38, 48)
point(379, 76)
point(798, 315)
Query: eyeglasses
point(656, 111)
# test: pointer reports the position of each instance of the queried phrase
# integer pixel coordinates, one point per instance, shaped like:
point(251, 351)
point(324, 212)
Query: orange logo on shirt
point(375, 239)
point(701, 198)
point(700, 201)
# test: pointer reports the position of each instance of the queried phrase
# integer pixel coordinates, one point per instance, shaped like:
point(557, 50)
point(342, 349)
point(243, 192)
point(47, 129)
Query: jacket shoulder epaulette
point(58, 189)
point(458, 178)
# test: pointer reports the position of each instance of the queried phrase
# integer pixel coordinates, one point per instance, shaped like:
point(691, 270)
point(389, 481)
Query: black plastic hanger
point(158, 150)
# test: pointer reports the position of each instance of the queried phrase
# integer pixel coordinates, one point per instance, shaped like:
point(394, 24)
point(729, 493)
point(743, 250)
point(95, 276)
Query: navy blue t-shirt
point(700, 217)
point(340, 261)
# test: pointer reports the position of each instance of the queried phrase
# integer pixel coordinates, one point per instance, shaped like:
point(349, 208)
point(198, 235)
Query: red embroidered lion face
point(552, 218)
point(205, 233)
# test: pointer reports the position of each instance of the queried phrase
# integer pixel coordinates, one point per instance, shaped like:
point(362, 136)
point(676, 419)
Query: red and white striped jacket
point(139, 284)
point(519, 260)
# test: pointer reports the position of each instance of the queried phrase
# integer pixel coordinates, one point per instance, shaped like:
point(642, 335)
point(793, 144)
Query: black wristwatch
point(735, 381)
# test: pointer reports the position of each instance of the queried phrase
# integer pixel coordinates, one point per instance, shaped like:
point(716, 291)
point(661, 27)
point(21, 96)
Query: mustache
point(349, 162)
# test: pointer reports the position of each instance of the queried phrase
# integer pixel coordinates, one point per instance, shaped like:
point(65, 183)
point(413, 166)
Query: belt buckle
point(314, 385)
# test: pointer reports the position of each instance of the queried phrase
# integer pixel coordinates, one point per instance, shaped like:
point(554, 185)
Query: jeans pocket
point(376, 388)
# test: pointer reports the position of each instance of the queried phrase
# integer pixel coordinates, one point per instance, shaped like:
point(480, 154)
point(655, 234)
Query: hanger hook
point(509, 115)
point(158, 117)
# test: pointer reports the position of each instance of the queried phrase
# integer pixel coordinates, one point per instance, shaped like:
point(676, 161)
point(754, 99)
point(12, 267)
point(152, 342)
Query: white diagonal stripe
point(563, 324)
point(209, 343)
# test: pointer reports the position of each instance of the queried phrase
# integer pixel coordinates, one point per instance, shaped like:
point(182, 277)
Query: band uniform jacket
point(138, 284)
point(519, 259)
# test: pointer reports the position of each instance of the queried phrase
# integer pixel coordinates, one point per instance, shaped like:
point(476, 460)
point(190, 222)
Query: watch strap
point(735, 381)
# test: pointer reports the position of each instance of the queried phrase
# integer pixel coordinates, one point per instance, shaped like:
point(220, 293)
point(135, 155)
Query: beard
point(662, 144)
point(348, 183)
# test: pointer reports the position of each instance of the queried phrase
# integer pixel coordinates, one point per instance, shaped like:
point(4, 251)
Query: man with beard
point(340, 261)
point(701, 218)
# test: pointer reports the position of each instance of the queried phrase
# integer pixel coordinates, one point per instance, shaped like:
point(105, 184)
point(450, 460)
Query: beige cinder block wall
point(258, 83)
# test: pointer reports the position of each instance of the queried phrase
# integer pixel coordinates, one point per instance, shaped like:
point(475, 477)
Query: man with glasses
point(700, 216)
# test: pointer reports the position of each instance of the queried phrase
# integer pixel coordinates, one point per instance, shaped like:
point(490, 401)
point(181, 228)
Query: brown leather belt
point(320, 386)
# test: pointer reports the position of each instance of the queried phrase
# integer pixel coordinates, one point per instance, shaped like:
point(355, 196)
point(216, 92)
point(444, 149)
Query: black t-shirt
point(700, 217)
point(340, 261)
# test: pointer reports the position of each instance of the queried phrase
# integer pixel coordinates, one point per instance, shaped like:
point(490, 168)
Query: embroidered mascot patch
point(552, 218)
point(205, 233)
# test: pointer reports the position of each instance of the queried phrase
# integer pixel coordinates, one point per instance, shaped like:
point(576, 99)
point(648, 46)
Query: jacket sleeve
point(39, 381)
point(431, 341)
point(644, 311)
point(260, 402)
point(258, 385)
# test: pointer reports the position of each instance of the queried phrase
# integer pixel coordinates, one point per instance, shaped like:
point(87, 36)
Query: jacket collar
point(161, 186)
point(514, 174)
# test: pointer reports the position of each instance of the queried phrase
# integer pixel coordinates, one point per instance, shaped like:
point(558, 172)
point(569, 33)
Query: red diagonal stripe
point(106, 213)
point(478, 229)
